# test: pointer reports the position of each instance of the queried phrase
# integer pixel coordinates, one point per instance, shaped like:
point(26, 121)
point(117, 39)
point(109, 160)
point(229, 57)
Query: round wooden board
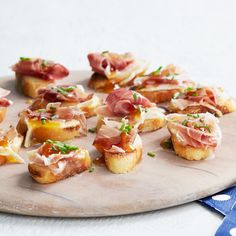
point(155, 183)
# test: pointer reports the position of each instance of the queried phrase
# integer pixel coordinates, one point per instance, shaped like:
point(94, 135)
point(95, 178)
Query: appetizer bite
point(120, 145)
point(33, 74)
point(201, 100)
point(194, 136)
point(140, 112)
point(54, 122)
point(73, 96)
point(54, 161)
point(4, 103)
point(161, 85)
point(10, 143)
point(113, 70)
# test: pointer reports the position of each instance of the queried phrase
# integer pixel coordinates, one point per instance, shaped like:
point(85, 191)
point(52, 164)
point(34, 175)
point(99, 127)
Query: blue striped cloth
point(225, 203)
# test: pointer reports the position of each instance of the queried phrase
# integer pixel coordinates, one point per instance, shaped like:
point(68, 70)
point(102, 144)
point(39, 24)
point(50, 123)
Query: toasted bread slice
point(30, 85)
point(3, 111)
point(45, 175)
point(10, 145)
point(196, 109)
point(159, 96)
point(191, 153)
point(121, 163)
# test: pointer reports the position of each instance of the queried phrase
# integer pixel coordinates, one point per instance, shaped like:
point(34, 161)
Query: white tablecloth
point(197, 35)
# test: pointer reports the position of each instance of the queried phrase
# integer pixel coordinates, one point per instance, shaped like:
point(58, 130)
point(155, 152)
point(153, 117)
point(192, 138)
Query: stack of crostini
point(137, 102)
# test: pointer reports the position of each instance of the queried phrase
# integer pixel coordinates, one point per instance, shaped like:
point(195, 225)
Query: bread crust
point(44, 175)
point(121, 163)
point(30, 85)
point(3, 111)
point(191, 153)
point(159, 96)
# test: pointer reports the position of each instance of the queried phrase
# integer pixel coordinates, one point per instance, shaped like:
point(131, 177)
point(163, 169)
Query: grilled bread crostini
point(73, 96)
point(54, 122)
point(33, 74)
point(194, 136)
point(112, 70)
point(120, 145)
point(10, 143)
point(4, 103)
point(54, 161)
point(201, 100)
point(124, 103)
point(161, 85)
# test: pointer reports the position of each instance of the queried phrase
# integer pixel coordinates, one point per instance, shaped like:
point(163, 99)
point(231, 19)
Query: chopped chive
point(188, 89)
point(43, 120)
point(92, 130)
point(41, 110)
point(91, 169)
point(25, 59)
point(63, 147)
point(185, 122)
point(135, 96)
point(193, 115)
point(139, 108)
point(194, 94)
point(176, 95)
point(151, 154)
point(126, 128)
point(104, 52)
point(157, 71)
point(44, 63)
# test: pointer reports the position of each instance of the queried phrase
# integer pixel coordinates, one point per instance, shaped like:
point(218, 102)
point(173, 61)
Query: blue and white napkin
point(225, 203)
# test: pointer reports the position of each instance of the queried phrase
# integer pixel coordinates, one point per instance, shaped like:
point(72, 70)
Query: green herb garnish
point(135, 96)
point(25, 59)
point(193, 115)
point(43, 120)
point(203, 127)
point(41, 110)
point(62, 147)
point(44, 63)
point(167, 143)
point(91, 169)
point(188, 89)
point(125, 128)
point(65, 90)
point(157, 71)
point(139, 108)
point(104, 52)
point(151, 154)
point(176, 95)
point(194, 94)
point(185, 122)
point(92, 130)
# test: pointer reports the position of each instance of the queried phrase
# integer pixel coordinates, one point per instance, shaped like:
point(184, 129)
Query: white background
point(197, 35)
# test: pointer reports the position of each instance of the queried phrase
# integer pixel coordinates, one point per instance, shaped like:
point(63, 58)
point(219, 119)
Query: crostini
point(113, 70)
point(161, 85)
point(194, 136)
point(73, 96)
point(33, 74)
point(201, 100)
point(54, 161)
point(54, 122)
point(120, 145)
point(4, 103)
point(10, 143)
point(140, 112)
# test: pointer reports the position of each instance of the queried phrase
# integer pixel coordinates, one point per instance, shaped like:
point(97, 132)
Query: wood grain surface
point(156, 183)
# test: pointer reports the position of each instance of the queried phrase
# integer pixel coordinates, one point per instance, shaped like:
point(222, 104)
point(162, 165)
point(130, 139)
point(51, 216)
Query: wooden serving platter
point(155, 183)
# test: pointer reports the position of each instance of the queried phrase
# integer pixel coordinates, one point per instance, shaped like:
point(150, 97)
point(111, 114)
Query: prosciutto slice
point(4, 102)
point(101, 62)
point(110, 136)
point(56, 94)
point(40, 68)
point(122, 102)
point(189, 135)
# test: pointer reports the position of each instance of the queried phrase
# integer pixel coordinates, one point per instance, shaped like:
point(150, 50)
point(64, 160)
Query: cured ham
point(102, 62)
point(203, 99)
point(39, 68)
point(195, 130)
point(123, 102)
point(64, 93)
point(4, 102)
point(115, 134)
